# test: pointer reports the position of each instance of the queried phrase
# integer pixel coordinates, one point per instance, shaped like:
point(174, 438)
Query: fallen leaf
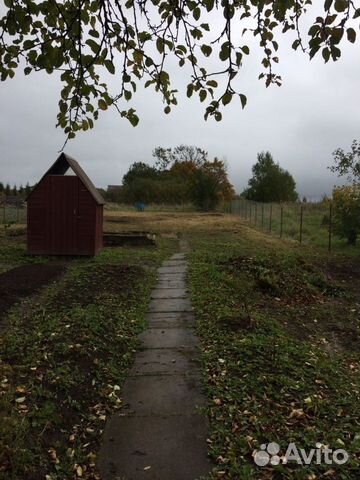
point(297, 413)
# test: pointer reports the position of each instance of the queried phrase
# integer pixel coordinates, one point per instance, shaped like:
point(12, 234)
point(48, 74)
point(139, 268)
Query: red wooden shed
point(65, 212)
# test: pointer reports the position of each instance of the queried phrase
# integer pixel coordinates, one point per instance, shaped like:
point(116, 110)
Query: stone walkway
point(159, 434)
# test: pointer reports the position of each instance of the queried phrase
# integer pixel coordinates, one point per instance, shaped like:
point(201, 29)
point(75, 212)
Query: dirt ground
point(24, 281)
point(168, 222)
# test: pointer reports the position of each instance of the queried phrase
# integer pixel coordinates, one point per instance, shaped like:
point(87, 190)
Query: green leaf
point(341, 5)
point(202, 95)
point(243, 100)
point(102, 104)
point(110, 66)
point(326, 54)
point(212, 83)
point(351, 35)
point(196, 13)
point(93, 45)
point(63, 106)
point(138, 56)
point(167, 109)
point(226, 98)
point(313, 30)
point(144, 36)
point(206, 50)
point(160, 45)
point(225, 51)
point(218, 116)
point(133, 119)
point(94, 33)
point(209, 4)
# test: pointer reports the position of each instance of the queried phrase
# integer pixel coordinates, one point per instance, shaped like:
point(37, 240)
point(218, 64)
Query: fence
point(12, 213)
point(304, 222)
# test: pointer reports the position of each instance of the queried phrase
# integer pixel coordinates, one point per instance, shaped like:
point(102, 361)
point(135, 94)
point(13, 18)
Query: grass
point(12, 215)
point(64, 356)
point(315, 222)
point(280, 343)
point(276, 368)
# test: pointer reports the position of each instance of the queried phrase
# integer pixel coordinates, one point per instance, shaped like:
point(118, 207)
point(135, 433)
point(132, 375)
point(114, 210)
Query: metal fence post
point(262, 216)
point(255, 213)
point(330, 227)
point(281, 220)
point(301, 223)
point(250, 213)
point(4, 214)
point(270, 220)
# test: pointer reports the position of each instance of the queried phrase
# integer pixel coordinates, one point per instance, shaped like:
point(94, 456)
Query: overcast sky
point(316, 110)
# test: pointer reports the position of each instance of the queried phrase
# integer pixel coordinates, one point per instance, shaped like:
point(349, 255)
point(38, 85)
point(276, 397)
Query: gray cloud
point(301, 123)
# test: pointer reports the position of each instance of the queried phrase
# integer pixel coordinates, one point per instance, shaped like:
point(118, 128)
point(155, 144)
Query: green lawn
point(279, 330)
point(287, 221)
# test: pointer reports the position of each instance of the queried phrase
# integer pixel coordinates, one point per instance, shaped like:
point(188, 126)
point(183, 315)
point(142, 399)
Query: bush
point(347, 212)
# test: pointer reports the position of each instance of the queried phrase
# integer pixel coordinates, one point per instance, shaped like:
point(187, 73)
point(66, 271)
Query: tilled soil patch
point(24, 281)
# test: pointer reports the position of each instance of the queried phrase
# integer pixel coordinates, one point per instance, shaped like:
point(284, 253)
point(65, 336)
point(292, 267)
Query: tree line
point(180, 175)
point(8, 190)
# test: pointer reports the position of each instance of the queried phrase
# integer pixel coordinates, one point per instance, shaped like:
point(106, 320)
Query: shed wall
point(63, 218)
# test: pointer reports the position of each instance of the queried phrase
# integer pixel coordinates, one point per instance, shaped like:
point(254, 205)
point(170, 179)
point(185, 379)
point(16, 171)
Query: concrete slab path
point(160, 433)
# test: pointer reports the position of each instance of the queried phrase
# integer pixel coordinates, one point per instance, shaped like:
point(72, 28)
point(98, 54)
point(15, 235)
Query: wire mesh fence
point(304, 222)
point(12, 213)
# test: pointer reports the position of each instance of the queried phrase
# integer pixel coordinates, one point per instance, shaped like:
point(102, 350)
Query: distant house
point(65, 212)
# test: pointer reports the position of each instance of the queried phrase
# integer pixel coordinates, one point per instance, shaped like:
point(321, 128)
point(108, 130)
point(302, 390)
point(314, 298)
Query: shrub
point(347, 212)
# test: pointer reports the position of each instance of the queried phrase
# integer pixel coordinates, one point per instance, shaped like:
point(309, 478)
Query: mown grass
point(276, 368)
point(64, 356)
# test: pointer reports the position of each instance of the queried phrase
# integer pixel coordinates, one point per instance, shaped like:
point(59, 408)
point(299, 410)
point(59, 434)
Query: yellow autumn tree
point(347, 212)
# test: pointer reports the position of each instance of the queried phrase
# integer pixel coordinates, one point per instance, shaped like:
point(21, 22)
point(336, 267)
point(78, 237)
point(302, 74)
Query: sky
point(301, 123)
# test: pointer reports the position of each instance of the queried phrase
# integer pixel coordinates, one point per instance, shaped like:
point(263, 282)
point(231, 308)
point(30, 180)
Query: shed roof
point(62, 165)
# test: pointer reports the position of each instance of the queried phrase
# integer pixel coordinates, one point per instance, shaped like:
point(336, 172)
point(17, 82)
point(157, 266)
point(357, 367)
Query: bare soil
point(23, 281)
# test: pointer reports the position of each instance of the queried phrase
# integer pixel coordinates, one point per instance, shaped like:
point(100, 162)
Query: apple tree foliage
point(134, 40)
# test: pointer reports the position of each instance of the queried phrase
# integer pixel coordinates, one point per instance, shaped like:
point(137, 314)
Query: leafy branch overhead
point(135, 40)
